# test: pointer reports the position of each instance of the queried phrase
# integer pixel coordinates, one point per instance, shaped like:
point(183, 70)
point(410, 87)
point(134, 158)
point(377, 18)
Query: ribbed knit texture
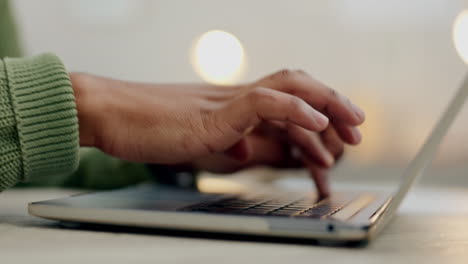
point(10, 152)
point(97, 171)
point(38, 119)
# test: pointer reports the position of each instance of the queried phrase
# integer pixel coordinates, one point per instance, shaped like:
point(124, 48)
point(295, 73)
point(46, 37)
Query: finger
point(317, 94)
point(268, 104)
point(315, 142)
point(332, 142)
point(310, 145)
point(261, 151)
point(246, 112)
point(320, 177)
point(265, 151)
point(348, 134)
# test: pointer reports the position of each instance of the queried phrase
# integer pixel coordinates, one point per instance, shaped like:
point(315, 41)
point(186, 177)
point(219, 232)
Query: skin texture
point(286, 120)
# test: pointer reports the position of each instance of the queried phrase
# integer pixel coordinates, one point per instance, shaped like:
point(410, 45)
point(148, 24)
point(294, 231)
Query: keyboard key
point(283, 213)
point(297, 208)
point(254, 211)
point(325, 208)
point(226, 210)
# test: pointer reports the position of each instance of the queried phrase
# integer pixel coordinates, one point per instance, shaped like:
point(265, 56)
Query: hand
point(278, 147)
point(244, 125)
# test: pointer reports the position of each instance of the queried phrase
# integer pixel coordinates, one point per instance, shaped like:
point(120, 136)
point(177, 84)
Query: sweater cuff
point(45, 112)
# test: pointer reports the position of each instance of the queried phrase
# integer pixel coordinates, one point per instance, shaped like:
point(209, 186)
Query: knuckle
point(337, 148)
point(284, 74)
point(347, 101)
point(332, 92)
point(261, 94)
point(281, 80)
point(255, 94)
point(295, 104)
point(301, 72)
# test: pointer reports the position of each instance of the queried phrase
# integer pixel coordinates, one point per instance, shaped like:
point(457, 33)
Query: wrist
point(89, 101)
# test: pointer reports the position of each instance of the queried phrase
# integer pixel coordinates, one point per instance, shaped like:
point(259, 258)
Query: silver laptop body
point(344, 216)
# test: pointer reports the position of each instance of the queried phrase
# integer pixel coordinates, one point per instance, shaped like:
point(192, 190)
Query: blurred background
point(396, 59)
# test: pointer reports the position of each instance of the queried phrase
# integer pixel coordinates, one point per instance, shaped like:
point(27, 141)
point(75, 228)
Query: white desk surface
point(431, 227)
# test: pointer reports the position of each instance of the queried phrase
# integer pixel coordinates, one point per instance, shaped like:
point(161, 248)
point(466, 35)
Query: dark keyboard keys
point(284, 212)
point(308, 207)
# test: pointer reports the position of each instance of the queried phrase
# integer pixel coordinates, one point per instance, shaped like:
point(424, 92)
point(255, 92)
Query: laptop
point(348, 215)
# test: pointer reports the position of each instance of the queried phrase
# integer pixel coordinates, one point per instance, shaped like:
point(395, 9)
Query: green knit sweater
point(38, 120)
point(39, 139)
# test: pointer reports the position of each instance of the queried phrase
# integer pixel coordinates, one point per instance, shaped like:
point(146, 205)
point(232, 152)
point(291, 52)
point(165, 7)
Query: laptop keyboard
point(308, 207)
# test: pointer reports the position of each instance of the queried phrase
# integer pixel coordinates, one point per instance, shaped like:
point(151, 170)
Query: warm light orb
point(460, 35)
point(218, 57)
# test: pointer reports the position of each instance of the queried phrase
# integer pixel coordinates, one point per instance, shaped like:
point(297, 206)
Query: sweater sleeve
point(38, 119)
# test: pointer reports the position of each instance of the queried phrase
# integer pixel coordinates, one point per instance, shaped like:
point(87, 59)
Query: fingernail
point(359, 112)
point(322, 120)
point(357, 137)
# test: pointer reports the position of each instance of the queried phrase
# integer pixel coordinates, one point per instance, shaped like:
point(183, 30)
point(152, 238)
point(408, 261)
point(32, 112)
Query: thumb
point(240, 151)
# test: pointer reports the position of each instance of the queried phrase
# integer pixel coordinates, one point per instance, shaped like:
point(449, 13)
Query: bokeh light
point(218, 57)
point(460, 35)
